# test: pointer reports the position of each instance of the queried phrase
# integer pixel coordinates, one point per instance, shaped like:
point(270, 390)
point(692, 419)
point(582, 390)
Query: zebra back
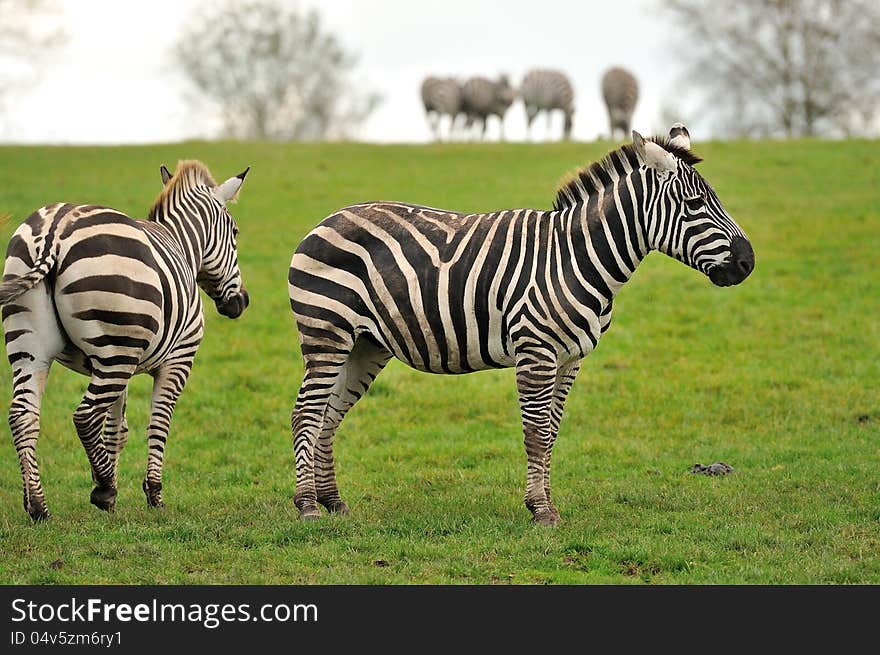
point(484, 97)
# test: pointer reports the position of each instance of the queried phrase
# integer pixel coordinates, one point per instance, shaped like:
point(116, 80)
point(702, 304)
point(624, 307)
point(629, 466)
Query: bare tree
point(272, 73)
point(784, 67)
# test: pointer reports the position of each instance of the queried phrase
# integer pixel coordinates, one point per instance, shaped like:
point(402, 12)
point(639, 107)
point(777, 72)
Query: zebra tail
point(12, 288)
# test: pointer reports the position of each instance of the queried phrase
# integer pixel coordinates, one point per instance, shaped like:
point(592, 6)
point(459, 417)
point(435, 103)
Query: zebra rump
point(441, 96)
point(620, 90)
point(547, 90)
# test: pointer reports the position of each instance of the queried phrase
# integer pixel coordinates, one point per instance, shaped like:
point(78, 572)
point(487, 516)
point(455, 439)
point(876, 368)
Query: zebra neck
point(609, 236)
point(189, 232)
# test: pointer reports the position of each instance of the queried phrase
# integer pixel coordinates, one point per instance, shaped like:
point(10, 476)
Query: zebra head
point(684, 217)
point(219, 275)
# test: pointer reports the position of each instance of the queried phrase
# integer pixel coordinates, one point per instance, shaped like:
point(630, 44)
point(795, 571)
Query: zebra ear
point(654, 156)
point(679, 136)
point(639, 143)
point(228, 191)
point(165, 174)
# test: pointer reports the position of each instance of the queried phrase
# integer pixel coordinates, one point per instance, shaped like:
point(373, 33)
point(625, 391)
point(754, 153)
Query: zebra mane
point(190, 173)
point(591, 179)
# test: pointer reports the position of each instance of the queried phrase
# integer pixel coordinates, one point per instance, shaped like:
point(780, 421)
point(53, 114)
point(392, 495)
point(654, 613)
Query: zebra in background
point(547, 90)
point(453, 293)
point(620, 91)
point(482, 98)
point(109, 296)
point(441, 97)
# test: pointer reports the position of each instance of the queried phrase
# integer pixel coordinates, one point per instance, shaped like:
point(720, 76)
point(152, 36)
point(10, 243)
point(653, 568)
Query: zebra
point(546, 90)
point(620, 91)
point(453, 293)
point(482, 97)
point(441, 96)
point(109, 296)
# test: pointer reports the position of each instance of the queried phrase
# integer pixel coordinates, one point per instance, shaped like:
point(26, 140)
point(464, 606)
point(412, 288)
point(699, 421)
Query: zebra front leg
point(116, 433)
point(565, 377)
point(28, 383)
point(168, 382)
point(104, 390)
point(535, 381)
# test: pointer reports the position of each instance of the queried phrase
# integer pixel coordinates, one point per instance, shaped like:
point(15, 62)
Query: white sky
point(115, 82)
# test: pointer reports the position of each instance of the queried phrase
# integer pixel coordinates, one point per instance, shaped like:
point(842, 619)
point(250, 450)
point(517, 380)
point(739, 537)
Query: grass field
point(778, 377)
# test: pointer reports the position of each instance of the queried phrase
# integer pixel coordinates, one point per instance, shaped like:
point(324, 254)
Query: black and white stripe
point(482, 98)
point(548, 90)
point(525, 288)
point(109, 296)
point(620, 90)
point(441, 96)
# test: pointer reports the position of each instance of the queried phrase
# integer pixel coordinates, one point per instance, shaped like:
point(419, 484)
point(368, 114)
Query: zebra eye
point(695, 202)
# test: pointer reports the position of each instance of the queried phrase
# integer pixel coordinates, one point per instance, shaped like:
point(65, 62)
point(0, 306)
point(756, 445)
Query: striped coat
point(441, 96)
point(482, 98)
point(109, 297)
point(620, 90)
point(548, 90)
point(453, 293)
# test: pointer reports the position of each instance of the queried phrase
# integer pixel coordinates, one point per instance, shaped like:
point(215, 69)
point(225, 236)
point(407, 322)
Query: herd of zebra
point(468, 105)
point(110, 296)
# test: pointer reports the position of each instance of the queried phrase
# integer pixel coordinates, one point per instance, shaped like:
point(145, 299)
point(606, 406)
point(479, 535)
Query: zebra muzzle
point(739, 266)
point(233, 306)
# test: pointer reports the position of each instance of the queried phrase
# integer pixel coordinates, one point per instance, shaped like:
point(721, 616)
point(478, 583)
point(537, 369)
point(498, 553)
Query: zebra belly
point(446, 352)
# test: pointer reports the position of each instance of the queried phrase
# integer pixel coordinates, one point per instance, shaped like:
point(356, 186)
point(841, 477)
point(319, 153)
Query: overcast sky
point(115, 82)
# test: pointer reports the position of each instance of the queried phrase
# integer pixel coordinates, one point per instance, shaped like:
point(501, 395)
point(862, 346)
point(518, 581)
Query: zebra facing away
point(548, 90)
point(620, 90)
point(453, 293)
point(441, 96)
point(109, 296)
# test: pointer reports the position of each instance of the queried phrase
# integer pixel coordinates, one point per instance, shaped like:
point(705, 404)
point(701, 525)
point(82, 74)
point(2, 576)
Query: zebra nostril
point(746, 265)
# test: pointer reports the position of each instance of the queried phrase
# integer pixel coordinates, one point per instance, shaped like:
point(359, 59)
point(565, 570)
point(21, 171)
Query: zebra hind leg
point(366, 361)
point(321, 378)
point(565, 377)
point(28, 383)
point(116, 433)
point(104, 390)
point(33, 340)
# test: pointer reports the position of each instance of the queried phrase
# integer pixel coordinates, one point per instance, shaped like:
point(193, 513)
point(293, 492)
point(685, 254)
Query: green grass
point(778, 377)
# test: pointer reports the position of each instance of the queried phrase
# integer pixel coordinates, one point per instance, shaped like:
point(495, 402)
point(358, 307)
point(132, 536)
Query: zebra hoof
point(38, 513)
point(546, 518)
point(104, 498)
point(336, 507)
point(308, 509)
point(310, 514)
point(153, 492)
